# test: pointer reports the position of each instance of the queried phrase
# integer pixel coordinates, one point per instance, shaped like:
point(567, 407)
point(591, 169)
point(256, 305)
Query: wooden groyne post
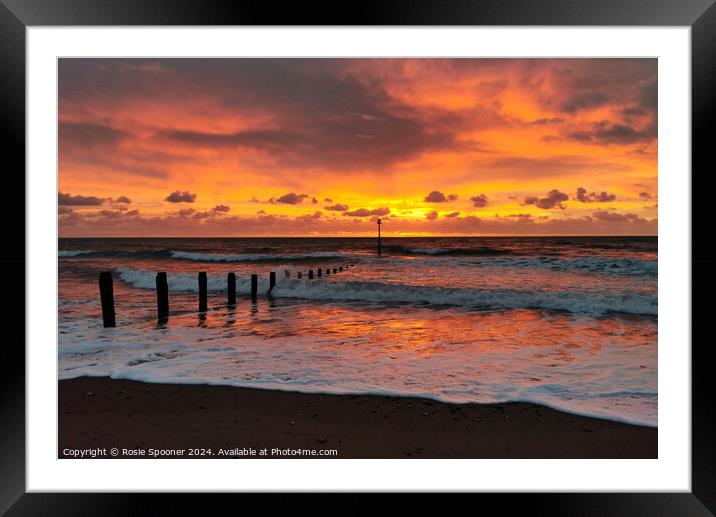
point(162, 297)
point(272, 281)
point(231, 281)
point(335, 270)
point(106, 293)
point(310, 274)
point(286, 273)
point(320, 272)
point(254, 286)
point(299, 275)
point(203, 306)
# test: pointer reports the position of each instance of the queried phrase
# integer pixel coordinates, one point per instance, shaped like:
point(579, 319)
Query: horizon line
point(349, 236)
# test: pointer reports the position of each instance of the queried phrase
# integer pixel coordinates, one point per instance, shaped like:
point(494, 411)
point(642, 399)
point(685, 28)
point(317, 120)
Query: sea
point(567, 322)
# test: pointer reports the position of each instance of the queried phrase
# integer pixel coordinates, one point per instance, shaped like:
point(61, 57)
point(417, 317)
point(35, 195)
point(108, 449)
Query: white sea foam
point(250, 257)
point(601, 265)
point(72, 253)
point(608, 381)
point(469, 298)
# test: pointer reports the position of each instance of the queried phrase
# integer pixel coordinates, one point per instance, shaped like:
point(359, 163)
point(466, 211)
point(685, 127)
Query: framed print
point(318, 257)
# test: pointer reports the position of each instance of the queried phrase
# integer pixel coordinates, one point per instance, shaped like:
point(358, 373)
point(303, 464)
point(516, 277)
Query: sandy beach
point(101, 413)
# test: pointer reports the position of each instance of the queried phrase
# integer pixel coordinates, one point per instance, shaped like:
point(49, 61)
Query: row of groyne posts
point(106, 290)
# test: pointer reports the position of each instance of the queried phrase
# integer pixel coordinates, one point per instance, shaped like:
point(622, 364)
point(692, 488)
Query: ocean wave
point(600, 265)
point(251, 257)
point(468, 298)
point(72, 253)
point(604, 265)
point(480, 251)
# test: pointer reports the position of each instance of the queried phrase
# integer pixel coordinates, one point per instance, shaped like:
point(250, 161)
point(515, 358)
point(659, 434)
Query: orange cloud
point(492, 143)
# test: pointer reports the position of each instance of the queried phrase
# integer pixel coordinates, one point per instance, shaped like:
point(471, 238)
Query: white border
point(670, 472)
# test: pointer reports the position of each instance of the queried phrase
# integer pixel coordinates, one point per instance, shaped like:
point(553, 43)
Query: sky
point(324, 147)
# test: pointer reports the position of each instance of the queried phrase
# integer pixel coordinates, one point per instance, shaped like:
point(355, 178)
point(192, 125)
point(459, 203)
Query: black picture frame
point(700, 15)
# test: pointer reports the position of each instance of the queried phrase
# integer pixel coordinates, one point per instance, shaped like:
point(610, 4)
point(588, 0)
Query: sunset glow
point(323, 147)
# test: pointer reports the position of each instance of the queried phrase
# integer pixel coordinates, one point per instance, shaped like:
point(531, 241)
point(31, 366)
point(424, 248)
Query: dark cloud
point(521, 217)
point(553, 199)
point(435, 197)
point(364, 212)
point(307, 217)
point(122, 199)
point(181, 197)
point(603, 215)
point(592, 197)
point(561, 165)
point(583, 100)
point(94, 147)
point(69, 200)
point(547, 121)
point(648, 97)
point(354, 121)
point(290, 199)
point(361, 212)
point(89, 134)
point(479, 201)
point(64, 210)
point(438, 197)
point(630, 112)
point(118, 214)
point(575, 85)
point(605, 133)
point(338, 207)
point(214, 212)
point(431, 216)
point(453, 214)
point(644, 195)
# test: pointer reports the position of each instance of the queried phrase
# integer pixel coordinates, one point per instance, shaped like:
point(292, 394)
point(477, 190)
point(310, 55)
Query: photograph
point(357, 257)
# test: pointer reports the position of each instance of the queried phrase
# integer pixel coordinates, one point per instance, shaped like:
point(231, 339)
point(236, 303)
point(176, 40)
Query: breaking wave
point(72, 253)
point(481, 251)
point(468, 298)
point(251, 257)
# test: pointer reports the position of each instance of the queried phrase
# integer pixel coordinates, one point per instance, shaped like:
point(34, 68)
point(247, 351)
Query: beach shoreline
point(145, 420)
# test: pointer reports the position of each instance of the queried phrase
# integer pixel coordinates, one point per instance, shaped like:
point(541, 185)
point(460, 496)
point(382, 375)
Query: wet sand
point(101, 414)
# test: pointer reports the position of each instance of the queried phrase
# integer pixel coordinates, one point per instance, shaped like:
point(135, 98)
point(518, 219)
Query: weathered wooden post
point(320, 272)
point(310, 274)
point(286, 273)
point(106, 295)
point(299, 275)
point(335, 270)
point(162, 297)
point(254, 286)
point(202, 292)
point(328, 271)
point(340, 269)
point(231, 280)
point(272, 281)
